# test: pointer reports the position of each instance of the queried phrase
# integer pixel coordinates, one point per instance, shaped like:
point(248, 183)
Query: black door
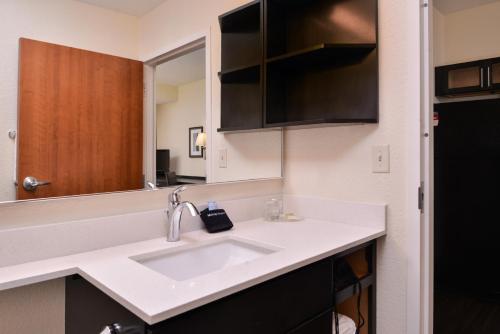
point(467, 224)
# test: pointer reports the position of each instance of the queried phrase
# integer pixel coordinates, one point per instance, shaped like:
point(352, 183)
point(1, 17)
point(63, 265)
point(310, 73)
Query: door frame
point(427, 167)
point(420, 280)
point(169, 52)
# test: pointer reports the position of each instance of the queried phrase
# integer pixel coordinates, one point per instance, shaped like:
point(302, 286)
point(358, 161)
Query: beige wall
point(466, 35)
point(166, 93)
point(38, 308)
point(64, 22)
point(438, 37)
point(173, 121)
point(249, 155)
point(335, 162)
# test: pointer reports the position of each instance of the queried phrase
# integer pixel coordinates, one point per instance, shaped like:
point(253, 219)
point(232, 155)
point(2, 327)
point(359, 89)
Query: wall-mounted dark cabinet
point(241, 70)
point(319, 64)
point(298, 302)
point(472, 78)
point(494, 68)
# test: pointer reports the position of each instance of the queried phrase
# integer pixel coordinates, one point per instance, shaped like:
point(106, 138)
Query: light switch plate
point(381, 159)
point(223, 158)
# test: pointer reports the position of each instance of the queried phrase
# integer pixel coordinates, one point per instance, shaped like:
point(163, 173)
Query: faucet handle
point(175, 196)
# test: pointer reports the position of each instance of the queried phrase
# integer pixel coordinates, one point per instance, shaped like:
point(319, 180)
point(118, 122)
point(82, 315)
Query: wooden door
point(80, 121)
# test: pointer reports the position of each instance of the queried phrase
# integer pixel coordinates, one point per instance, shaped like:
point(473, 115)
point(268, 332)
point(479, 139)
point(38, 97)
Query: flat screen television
point(163, 161)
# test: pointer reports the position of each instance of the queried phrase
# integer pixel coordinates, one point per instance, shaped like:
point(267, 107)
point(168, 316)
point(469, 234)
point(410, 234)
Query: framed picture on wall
point(195, 151)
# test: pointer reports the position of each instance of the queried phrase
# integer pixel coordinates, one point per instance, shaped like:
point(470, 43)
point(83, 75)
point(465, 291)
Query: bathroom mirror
point(84, 122)
point(181, 130)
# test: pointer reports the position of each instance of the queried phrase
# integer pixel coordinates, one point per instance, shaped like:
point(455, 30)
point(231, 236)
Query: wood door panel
point(80, 120)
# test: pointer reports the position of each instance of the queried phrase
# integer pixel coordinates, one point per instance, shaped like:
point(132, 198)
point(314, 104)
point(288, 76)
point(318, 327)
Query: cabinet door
point(320, 325)
point(88, 310)
point(461, 79)
point(273, 307)
point(494, 74)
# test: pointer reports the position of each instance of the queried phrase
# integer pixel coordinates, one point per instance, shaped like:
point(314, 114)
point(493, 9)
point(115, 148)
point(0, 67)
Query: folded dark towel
point(216, 220)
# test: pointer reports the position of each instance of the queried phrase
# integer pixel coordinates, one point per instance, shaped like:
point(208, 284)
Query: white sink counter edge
point(154, 297)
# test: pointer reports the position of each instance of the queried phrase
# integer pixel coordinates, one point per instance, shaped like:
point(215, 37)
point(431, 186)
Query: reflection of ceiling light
point(201, 139)
point(347, 19)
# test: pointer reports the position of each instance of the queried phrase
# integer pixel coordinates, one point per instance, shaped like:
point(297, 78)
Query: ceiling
point(182, 70)
point(450, 6)
point(131, 7)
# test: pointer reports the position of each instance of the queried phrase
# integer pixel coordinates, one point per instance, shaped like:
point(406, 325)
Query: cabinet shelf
point(352, 290)
point(238, 129)
point(320, 121)
point(246, 73)
point(322, 52)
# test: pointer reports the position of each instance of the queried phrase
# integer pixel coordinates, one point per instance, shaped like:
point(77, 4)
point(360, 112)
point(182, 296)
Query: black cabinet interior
point(467, 179)
point(297, 302)
point(294, 25)
point(241, 77)
point(319, 64)
point(241, 103)
point(323, 89)
point(241, 37)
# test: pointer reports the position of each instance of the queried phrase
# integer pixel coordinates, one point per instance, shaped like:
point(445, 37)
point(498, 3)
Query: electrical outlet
point(223, 158)
point(380, 159)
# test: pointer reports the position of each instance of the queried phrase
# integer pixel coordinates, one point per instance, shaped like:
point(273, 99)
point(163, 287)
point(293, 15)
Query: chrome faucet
point(174, 213)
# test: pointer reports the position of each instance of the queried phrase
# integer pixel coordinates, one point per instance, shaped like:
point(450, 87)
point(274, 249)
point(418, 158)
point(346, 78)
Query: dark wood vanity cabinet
point(299, 302)
point(299, 62)
point(472, 78)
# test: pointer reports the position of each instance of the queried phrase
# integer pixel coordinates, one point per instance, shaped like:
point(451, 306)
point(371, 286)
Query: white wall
point(173, 121)
point(467, 35)
point(64, 22)
point(335, 162)
point(249, 155)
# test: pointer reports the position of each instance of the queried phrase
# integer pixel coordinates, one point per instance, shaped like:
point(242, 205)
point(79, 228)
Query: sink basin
point(196, 261)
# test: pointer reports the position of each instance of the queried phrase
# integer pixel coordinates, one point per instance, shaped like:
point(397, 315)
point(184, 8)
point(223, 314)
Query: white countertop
point(154, 297)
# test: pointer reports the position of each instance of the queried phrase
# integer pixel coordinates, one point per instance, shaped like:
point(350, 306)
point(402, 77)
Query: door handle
point(30, 183)
point(116, 328)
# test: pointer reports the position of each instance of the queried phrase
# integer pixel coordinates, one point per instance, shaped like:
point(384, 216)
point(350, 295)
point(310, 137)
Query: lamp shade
point(201, 139)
